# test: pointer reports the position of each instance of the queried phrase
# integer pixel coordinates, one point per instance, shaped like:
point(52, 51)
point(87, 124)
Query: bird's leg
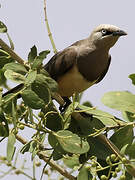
point(67, 103)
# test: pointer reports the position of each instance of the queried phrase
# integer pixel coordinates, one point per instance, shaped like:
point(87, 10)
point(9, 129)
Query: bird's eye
point(104, 31)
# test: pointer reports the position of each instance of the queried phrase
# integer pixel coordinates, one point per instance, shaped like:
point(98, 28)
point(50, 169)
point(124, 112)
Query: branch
point(51, 162)
point(11, 52)
point(48, 29)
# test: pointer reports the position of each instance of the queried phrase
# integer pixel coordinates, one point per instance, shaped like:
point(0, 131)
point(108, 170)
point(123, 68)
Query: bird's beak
point(119, 33)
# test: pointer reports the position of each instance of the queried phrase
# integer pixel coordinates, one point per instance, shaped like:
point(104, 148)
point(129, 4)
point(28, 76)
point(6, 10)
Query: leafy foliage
point(79, 137)
point(3, 27)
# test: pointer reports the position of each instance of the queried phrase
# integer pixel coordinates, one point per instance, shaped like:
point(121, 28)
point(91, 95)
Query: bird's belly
point(72, 82)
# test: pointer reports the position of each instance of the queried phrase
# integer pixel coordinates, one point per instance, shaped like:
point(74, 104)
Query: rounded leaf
point(13, 76)
point(10, 146)
point(16, 67)
point(106, 118)
point(32, 100)
point(72, 143)
point(123, 136)
point(120, 100)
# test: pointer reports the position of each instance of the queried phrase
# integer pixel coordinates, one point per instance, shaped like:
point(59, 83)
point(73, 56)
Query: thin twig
point(51, 162)
point(48, 29)
point(10, 41)
point(57, 167)
point(49, 159)
point(11, 52)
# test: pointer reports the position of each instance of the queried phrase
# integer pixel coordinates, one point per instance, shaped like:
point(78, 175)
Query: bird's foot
point(67, 103)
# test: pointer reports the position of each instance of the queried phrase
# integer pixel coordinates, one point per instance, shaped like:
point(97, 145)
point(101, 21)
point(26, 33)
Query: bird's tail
point(14, 90)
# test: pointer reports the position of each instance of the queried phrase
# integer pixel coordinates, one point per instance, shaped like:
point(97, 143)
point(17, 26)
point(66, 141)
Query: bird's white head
point(106, 35)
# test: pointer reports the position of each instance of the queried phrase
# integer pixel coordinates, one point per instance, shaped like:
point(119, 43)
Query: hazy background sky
point(72, 20)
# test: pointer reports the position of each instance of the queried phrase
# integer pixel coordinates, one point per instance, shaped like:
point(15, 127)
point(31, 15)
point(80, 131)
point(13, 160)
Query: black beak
point(119, 33)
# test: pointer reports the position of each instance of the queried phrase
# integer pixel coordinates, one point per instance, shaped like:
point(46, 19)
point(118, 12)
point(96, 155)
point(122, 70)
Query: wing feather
point(105, 71)
point(61, 62)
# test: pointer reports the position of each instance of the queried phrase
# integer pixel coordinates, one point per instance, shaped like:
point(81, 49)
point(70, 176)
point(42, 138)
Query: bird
point(85, 62)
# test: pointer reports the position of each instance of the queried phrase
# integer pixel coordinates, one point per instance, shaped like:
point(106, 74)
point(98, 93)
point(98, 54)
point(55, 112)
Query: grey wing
point(61, 62)
point(105, 71)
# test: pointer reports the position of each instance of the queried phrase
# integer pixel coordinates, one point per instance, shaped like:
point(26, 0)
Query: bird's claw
point(62, 108)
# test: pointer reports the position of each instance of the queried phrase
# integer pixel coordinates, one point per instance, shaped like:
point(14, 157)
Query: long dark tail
point(14, 90)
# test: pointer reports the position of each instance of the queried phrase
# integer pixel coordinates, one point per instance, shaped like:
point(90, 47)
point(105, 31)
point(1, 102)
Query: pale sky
point(72, 20)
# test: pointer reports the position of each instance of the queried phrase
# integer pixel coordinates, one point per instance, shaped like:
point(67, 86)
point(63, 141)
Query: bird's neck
point(101, 47)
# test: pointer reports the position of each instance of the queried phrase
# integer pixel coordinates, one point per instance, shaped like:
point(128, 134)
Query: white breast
point(72, 82)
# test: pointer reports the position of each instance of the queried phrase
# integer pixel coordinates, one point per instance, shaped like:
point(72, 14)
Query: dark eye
point(103, 31)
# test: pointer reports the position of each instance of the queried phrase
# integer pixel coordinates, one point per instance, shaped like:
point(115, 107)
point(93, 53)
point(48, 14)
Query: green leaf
point(57, 155)
point(33, 145)
point(123, 136)
point(3, 52)
point(39, 86)
point(97, 148)
point(106, 118)
point(14, 118)
point(3, 28)
point(25, 148)
point(58, 150)
point(70, 109)
point(100, 150)
point(51, 83)
point(41, 137)
point(71, 161)
point(32, 100)
point(33, 148)
point(4, 58)
point(10, 147)
point(30, 77)
point(130, 151)
point(2, 77)
point(120, 100)
point(123, 149)
point(132, 77)
point(7, 105)
point(31, 118)
point(128, 176)
point(67, 114)
point(128, 116)
point(4, 130)
point(44, 72)
point(32, 54)
point(13, 76)
point(37, 63)
point(47, 82)
point(39, 59)
point(87, 103)
point(43, 54)
point(53, 141)
point(72, 143)
point(84, 174)
point(53, 120)
point(16, 67)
